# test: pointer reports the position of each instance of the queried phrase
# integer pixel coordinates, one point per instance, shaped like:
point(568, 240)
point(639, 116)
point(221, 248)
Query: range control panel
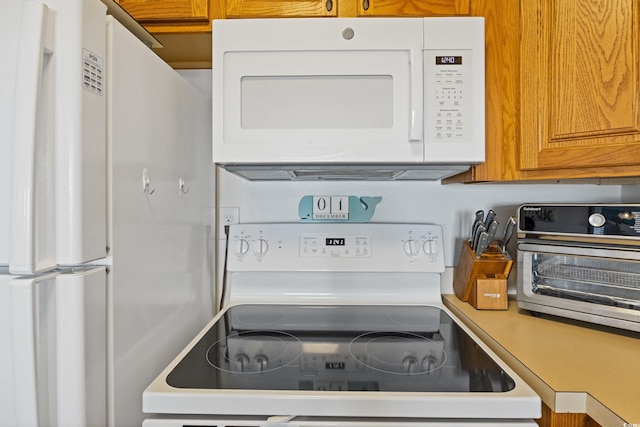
point(336, 247)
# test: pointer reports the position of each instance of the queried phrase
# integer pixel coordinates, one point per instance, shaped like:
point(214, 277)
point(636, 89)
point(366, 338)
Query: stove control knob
point(261, 247)
point(597, 220)
point(429, 362)
point(242, 360)
point(242, 246)
point(430, 247)
point(410, 247)
point(409, 363)
point(261, 362)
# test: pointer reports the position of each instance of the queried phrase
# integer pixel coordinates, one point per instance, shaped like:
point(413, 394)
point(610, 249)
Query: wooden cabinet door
point(580, 77)
point(413, 7)
point(168, 11)
point(280, 8)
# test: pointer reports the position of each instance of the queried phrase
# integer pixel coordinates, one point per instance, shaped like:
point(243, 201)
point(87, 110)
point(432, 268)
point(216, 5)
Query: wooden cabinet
point(280, 8)
point(553, 419)
point(168, 11)
point(562, 90)
point(413, 7)
point(580, 86)
point(344, 8)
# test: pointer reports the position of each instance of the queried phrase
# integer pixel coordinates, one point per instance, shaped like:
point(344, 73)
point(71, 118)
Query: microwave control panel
point(448, 112)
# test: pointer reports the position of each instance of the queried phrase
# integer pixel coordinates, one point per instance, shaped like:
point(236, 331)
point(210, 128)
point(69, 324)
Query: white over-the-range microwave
point(368, 98)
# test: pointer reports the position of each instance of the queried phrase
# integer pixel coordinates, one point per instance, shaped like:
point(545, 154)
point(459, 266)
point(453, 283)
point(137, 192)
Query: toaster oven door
point(600, 286)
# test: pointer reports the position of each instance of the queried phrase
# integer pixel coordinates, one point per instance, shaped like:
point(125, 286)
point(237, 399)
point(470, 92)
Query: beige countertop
point(574, 366)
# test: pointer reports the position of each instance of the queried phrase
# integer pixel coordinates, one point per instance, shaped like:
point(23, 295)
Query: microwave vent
point(344, 172)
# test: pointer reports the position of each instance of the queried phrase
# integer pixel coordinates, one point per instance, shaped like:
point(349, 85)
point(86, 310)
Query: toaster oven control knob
point(261, 247)
point(242, 246)
point(410, 247)
point(597, 220)
point(430, 247)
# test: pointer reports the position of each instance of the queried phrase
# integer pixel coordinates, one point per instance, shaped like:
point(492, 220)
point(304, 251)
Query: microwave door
point(320, 98)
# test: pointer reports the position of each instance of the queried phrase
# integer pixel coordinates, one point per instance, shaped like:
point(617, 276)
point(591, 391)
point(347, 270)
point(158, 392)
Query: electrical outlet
point(227, 216)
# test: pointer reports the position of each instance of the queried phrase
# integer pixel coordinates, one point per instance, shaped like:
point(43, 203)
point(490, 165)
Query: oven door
point(599, 285)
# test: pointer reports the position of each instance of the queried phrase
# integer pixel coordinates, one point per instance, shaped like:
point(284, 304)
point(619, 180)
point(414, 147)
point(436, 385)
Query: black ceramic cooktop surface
point(338, 347)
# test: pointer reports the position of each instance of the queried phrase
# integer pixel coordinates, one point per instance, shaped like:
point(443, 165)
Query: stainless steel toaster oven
point(581, 262)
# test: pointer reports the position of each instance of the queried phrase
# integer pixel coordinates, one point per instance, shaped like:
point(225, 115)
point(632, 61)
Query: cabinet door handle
point(365, 4)
point(329, 5)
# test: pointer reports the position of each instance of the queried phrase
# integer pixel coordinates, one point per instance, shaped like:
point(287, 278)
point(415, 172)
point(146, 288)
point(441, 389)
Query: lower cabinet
point(554, 419)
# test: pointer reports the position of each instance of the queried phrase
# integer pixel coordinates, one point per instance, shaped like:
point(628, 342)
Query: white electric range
point(336, 324)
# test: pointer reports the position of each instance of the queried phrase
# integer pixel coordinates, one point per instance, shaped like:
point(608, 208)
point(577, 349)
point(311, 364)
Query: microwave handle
point(416, 94)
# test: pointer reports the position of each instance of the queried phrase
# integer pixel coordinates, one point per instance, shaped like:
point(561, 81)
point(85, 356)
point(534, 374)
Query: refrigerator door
point(58, 348)
point(57, 201)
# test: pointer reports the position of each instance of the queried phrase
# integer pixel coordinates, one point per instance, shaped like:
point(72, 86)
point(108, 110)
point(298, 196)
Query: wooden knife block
point(492, 270)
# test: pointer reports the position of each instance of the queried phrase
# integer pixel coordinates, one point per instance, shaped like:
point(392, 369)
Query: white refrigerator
point(106, 215)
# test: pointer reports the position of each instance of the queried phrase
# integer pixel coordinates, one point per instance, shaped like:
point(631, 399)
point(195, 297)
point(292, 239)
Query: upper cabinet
point(413, 7)
point(169, 11)
point(562, 90)
point(580, 87)
point(280, 8)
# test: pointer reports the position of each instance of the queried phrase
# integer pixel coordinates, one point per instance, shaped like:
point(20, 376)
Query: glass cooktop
point(339, 348)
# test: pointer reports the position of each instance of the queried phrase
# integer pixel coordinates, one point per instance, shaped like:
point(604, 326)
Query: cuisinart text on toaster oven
point(581, 262)
point(379, 98)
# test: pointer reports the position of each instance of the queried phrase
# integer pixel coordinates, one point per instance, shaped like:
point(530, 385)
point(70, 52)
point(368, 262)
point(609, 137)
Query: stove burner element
point(401, 353)
point(246, 352)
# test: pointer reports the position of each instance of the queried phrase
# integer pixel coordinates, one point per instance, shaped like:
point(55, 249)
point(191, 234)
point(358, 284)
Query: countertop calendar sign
point(332, 207)
point(337, 208)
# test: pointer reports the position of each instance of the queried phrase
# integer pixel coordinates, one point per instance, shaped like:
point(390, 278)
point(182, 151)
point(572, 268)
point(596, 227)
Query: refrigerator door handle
point(32, 345)
point(35, 51)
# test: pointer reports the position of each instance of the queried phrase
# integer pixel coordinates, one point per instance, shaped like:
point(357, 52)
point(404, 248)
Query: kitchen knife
point(483, 242)
point(508, 232)
point(491, 215)
point(477, 221)
point(492, 229)
point(479, 230)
